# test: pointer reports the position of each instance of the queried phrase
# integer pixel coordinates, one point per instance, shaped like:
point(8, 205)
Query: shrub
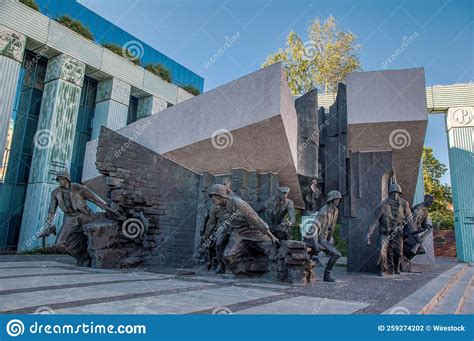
point(442, 220)
point(340, 243)
point(122, 52)
point(160, 71)
point(30, 4)
point(76, 26)
point(191, 89)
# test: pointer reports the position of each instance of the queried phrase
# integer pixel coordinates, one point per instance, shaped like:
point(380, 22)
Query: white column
point(460, 127)
point(150, 105)
point(111, 109)
point(54, 141)
point(12, 48)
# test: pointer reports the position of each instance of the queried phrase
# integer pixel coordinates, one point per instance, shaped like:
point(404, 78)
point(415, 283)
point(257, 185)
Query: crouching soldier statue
point(72, 199)
point(249, 234)
point(279, 213)
point(393, 218)
point(320, 236)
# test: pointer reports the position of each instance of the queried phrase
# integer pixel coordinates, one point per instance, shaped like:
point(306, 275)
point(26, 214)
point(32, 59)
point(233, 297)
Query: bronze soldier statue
point(279, 213)
point(392, 217)
point(413, 243)
point(322, 232)
point(72, 199)
point(248, 231)
point(217, 232)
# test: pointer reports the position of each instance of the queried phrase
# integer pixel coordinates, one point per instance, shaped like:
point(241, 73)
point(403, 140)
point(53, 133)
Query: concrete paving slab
point(48, 297)
point(36, 271)
point(182, 303)
point(307, 305)
point(43, 281)
point(29, 264)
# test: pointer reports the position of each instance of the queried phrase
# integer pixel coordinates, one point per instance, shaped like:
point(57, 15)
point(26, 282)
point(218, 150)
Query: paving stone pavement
point(54, 284)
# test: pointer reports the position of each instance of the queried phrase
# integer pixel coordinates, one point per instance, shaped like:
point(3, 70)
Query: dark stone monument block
point(370, 174)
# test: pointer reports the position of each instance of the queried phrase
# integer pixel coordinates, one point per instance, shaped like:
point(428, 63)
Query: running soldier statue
point(422, 225)
point(320, 237)
point(249, 233)
point(72, 199)
point(393, 218)
point(279, 213)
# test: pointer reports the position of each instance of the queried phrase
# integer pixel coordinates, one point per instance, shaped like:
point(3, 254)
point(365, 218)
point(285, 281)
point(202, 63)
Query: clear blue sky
point(192, 31)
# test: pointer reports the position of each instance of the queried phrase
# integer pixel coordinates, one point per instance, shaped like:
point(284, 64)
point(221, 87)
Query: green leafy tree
point(441, 213)
point(322, 62)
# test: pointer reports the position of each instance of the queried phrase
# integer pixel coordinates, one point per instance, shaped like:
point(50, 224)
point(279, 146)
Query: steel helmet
point(218, 189)
point(333, 195)
point(395, 188)
point(64, 174)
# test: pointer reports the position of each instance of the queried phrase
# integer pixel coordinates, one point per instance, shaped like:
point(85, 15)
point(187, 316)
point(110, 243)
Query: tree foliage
point(30, 3)
point(322, 62)
point(441, 212)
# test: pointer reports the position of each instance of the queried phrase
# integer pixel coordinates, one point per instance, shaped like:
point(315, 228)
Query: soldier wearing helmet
point(72, 199)
point(392, 217)
point(422, 225)
point(248, 230)
point(279, 213)
point(217, 232)
point(320, 236)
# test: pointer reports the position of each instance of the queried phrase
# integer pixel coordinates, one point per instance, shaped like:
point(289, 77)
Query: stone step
point(466, 305)
point(452, 300)
point(425, 298)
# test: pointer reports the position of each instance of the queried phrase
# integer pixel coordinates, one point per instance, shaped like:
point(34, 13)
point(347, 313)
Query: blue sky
point(191, 32)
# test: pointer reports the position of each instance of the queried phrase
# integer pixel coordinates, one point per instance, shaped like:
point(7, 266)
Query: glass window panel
point(35, 105)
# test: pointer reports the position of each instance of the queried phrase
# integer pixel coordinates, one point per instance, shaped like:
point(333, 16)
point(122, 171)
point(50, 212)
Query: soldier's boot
point(220, 268)
point(327, 272)
point(327, 276)
point(396, 265)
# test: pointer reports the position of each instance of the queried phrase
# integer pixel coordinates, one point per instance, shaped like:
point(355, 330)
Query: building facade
point(58, 88)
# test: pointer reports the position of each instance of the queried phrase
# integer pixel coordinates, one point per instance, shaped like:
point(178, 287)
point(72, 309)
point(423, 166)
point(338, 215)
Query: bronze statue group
point(234, 232)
